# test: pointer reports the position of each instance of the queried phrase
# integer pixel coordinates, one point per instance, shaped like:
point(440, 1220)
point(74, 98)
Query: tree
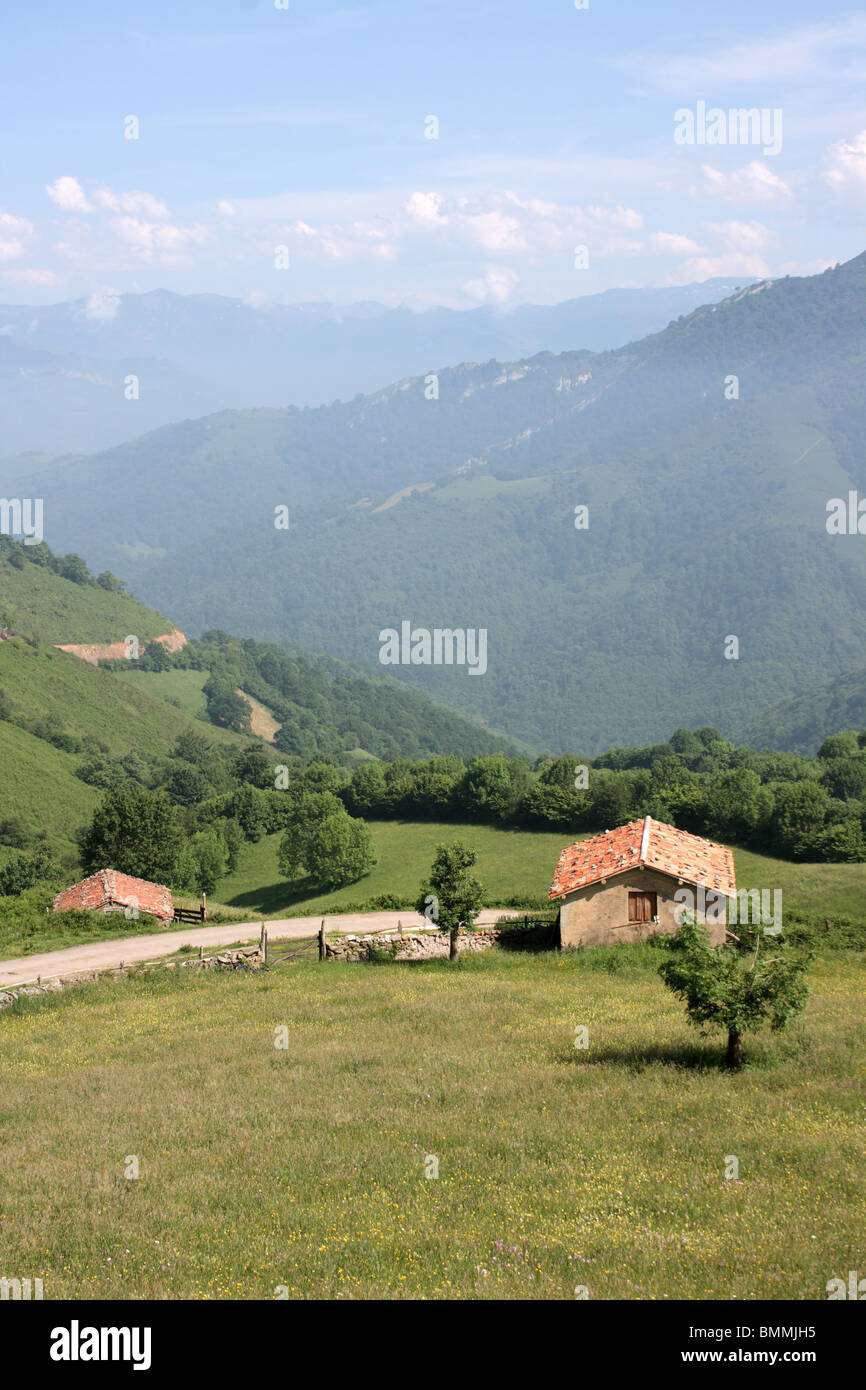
point(304, 810)
point(22, 871)
point(225, 706)
point(734, 804)
point(339, 851)
point(135, 831)
point(249, 807)
point(15, 831)
point(233, 838)
point(800, 813)
point(109, 581)
point(366, 791)
point(492, 787)
point(321, 837)
point(210, 858)
point(453, 898)
point(740, 986)
point(192, 747)
point(253, 765)
point(158, 658)
point(73, 567)
point(186, 784)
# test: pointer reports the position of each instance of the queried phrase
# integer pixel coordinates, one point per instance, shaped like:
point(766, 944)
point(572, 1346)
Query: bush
point(24, 871)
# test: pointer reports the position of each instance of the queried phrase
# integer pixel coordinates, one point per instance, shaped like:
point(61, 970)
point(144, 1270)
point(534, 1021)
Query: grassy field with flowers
point(310, 1168)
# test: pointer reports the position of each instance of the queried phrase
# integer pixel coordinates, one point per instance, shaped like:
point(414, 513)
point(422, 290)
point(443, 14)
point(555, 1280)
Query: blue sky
point(304, 128)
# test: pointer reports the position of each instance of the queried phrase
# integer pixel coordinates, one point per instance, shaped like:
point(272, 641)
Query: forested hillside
point(707, 509)
point(802, 723)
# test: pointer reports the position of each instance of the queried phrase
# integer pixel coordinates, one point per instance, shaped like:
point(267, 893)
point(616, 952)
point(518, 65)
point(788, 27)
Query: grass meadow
point(304, 1168)
point(511, 864)
point(514, 865)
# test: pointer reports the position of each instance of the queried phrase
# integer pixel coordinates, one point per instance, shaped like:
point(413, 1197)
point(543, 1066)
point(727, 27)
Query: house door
point(642, 907)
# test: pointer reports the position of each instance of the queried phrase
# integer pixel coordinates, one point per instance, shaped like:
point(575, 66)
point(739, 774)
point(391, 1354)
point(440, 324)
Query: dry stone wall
point(412, 945)
point(244, 958)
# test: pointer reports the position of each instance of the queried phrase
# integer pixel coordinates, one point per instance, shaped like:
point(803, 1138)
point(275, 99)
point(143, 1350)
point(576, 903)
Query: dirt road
point(103, 955)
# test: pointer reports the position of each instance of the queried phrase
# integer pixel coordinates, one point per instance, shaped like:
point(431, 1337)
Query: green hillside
point(707, 519)
point(86, 710)
point(32, 599)
point(801, 724)
point(70, 730)
point(183, 688)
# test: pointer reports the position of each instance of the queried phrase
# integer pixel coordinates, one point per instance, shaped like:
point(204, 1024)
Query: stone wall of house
point(597, 915)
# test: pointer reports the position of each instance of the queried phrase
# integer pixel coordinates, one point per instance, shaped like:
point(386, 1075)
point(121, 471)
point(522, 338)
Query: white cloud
point(497, 286)
point(154, 240)
point(424, 208)
point(67, 193)
point(134, 204)
point(743, 236)
point(728, 263)
point(816, 50)
point(496, 232)
point(673, 244)
point(846, 161)
point(753, 183)
point(102, 306)
point(13, 233)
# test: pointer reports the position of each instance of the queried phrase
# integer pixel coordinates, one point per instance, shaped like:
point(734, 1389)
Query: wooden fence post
point(204, 907)
point(263, 943)
point(322, 940)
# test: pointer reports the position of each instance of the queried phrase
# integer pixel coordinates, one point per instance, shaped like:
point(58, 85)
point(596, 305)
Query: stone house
point(622, 885)
point(110, 891)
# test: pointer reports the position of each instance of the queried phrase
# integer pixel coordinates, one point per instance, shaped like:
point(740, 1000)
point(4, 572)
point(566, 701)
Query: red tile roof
point(653, 844)
point(108, 888)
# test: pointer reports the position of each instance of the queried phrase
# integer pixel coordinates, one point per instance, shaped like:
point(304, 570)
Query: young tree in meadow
point(742, 986)
point(453, 897)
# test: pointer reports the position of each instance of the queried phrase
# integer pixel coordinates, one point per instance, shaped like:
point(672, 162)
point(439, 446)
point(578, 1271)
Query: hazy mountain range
point(706, 455)
point(63, 367)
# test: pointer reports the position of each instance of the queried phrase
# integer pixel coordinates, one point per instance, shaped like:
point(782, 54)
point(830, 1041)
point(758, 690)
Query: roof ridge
point(645, 839)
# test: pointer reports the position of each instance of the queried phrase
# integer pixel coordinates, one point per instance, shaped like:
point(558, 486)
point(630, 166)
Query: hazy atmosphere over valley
point(433, 536)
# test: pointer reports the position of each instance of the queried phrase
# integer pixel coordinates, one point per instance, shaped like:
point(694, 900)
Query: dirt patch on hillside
point(262, 722)
point(94, 652)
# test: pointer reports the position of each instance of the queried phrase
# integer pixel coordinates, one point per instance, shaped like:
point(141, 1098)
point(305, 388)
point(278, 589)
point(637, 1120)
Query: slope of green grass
point(184, 687)
point(88, 700)
point(510, 863)
point(312, 1167)
point(39, 601)
point(39, 781)
point(44, 791)
point(817, 890)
